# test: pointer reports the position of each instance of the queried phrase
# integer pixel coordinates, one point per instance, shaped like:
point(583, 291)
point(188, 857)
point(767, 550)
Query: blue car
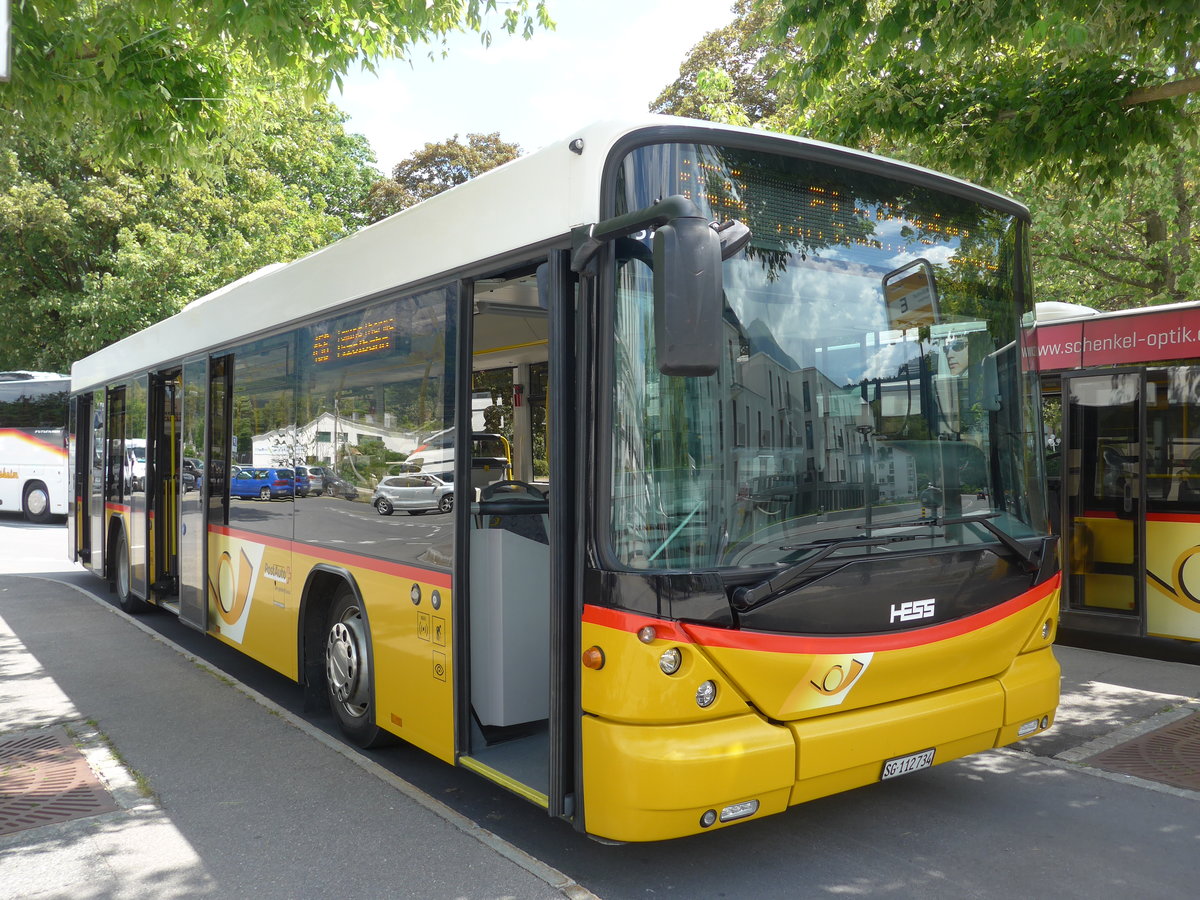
point(302, 481)
point(264, 484)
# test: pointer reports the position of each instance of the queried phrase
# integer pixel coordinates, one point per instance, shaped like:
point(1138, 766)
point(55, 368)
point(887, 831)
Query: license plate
point(902, 765)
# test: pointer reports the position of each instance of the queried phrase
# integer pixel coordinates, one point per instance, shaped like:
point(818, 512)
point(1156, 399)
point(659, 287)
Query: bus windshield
point(870, 385)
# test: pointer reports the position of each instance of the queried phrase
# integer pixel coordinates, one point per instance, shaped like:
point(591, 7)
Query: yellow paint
point(654, 762)
point(1173, 579)
point(1098, 542)
point(254, 604)
point(632, 688)
point(650, 782)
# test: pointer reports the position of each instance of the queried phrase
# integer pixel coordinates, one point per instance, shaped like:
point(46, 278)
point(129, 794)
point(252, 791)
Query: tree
point(1131, 246)
point(438, 167)
point(155, 81)
point(734, 50)
point(1065, 88)
point(91, 255)
point(1113, 226)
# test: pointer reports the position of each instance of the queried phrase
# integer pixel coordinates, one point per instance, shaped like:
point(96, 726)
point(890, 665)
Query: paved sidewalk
point(215, 798)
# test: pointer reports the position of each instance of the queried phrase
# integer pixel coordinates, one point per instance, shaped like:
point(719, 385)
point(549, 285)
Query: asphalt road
point(1002, 824)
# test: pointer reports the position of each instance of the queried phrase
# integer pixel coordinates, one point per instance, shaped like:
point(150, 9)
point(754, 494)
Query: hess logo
point(912, 610)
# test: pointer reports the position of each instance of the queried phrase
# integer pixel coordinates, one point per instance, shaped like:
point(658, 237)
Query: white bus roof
point(529, 201)
point(22, 375)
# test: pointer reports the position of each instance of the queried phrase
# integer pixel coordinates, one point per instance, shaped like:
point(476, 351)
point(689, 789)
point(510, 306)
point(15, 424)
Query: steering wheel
point(1113, 458)
point(510, 487)
point(512, 498)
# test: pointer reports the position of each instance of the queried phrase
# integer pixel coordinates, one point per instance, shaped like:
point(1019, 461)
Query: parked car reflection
point(263, 484)
point(300, 476)
point(416, 494)
point(336, 486)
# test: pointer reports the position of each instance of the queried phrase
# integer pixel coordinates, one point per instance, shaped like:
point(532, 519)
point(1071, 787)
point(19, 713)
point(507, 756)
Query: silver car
point(414, 493)
point(316, 479)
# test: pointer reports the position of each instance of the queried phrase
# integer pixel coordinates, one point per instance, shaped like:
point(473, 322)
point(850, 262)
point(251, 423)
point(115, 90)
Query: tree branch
point(1106, 276)
point(1162, 91)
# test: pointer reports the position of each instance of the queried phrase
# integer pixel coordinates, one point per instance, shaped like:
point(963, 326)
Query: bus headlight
point(670, 660)
point(706, 694)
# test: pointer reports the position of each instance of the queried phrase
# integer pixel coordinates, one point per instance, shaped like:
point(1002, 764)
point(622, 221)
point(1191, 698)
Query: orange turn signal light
point(593, 658)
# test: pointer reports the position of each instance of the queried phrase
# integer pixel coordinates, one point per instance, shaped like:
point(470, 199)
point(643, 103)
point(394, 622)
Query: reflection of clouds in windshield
point(937, 256)
point(887, 361)
point(907, 244)
point(810, 306)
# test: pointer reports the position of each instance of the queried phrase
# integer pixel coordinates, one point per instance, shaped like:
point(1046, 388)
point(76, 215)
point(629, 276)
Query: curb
point(535, 867)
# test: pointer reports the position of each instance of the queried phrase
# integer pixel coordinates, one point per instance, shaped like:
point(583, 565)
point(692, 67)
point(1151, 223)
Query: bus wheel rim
point(122, 569)
point(345, 664)
point(36, 501)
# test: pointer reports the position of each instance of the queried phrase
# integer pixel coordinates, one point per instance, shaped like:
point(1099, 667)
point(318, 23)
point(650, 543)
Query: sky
point(606, 58)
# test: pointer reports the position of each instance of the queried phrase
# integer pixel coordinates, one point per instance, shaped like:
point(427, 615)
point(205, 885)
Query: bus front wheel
point(348, 670)
point(36, 503)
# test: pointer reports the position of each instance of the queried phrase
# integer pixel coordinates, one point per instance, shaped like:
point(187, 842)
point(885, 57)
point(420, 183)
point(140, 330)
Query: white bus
point(33, 455)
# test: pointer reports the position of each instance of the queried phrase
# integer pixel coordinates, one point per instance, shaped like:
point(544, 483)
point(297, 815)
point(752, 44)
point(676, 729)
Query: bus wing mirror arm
point(734, 236)
point(688, 289)
point(586, 240)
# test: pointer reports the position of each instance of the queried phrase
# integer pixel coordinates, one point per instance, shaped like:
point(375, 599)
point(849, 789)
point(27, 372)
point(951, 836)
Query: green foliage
point(735, 51)
point(160, 82)
point(1054, 103)
point(92, 254)
point(715, 87)
point(992, 89)
point(436, 168)
point(1131, 246)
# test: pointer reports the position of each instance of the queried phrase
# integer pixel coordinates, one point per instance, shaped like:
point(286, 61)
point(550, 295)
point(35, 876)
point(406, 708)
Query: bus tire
point(36, 503)
point(120, 577)
point(348, 676)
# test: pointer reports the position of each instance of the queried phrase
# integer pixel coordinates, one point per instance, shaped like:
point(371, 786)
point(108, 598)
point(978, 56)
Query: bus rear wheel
point(120, 577)
point(348, 671)
point(36, 503)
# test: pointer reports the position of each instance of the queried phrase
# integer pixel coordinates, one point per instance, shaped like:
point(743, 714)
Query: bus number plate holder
point(902, 765)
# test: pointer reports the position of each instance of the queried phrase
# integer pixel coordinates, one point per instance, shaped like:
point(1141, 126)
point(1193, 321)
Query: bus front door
point(518, 724)
point(1103, 486)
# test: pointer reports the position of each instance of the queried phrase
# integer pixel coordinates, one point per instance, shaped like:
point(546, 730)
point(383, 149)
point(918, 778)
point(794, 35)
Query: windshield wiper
point(745, 598)
point(1028, 558)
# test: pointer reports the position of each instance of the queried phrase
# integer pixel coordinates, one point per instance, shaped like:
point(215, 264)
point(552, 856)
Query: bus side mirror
point(688, 297)
point(688, 292)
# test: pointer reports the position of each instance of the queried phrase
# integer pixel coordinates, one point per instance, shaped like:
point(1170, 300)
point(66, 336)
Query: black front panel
point(880, 595)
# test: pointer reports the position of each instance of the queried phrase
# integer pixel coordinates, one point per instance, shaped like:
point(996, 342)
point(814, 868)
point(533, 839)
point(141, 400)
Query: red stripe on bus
point(733, 639)
point(326, 554)
point(118, 507)
point(1150, 516)
point(619, 620)
point(1173, 517)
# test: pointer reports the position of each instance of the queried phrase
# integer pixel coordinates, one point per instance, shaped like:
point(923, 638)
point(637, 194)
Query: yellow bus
point(1123, 389)
point(705, 587)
